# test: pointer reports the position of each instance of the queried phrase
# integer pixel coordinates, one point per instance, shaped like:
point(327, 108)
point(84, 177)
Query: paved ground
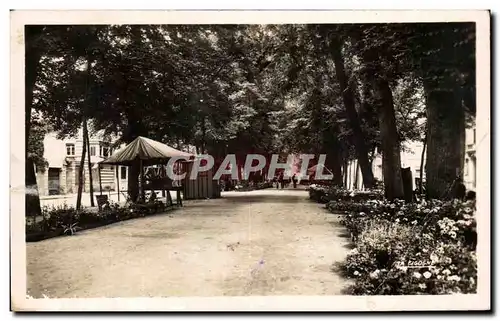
point(267, 242)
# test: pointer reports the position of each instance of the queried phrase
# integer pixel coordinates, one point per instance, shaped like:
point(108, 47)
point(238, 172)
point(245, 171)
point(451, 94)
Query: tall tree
point(349, 103)
point(33, 53)
point(378, 77)
point(81, 169)
point(445, 56)
point(87, 146)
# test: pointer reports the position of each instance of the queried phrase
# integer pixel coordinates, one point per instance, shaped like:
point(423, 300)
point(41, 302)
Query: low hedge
point(253, 187)
point(326, 193)
point(65, 219)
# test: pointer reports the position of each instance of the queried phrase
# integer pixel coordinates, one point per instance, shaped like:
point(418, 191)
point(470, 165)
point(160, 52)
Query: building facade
point(411, 157)
point(62, 173)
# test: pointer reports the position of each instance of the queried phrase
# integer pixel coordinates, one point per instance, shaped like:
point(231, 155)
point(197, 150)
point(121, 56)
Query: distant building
point(412, 159)
point(63, 157)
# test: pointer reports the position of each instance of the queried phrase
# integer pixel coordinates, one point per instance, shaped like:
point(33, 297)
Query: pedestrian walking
point(275, 181)
point(281, 180)
point(294, 180)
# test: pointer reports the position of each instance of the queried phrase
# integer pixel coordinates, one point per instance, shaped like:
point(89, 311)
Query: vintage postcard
point(250, 160)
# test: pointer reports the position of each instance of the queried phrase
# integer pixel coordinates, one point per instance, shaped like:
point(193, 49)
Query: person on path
point(281, 180)
point(275, 181)
point(294, 180)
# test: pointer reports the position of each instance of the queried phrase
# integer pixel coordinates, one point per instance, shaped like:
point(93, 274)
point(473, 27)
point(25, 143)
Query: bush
point(59, 217)
point(327, 193)
point(253, 186)
point(424, 248)
point(64, 217)
point(319, 193)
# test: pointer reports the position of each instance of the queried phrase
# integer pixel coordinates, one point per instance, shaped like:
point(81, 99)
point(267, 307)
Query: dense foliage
point(344, 90)
point(427, 247)
point(60, 220)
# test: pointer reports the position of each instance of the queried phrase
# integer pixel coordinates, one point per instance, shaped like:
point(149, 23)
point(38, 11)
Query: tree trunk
point(349, 104)
point(422, 164)
point(372, 156)
point(356, 176)
point(32, 198)
point(445, 124)
point(345, 173)
point(133, 181)
point(337, 170)
point(86, 130)
point(87, 140)
point(135, 129)
point(391, 155)
point(81, 171)
point(203, 135)
point(32, 62)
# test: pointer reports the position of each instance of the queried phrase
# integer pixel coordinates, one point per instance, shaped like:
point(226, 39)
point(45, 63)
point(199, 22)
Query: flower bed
point(423, 248)
point(66, 220)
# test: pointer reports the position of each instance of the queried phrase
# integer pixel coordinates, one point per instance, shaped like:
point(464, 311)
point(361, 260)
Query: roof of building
point(145, 149)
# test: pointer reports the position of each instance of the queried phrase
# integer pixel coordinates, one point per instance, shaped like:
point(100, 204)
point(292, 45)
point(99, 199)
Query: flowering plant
point(422, 248)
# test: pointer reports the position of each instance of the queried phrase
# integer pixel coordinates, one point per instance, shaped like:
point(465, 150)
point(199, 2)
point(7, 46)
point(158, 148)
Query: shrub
point(318, 193)
point(58, 217)
point(64, 217)
point(327, 193)
point(423, 248)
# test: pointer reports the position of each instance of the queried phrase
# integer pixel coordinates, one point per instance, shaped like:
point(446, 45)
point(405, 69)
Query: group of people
point(280, 181)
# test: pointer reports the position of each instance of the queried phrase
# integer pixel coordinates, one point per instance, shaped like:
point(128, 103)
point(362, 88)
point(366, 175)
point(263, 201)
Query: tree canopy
point(249, 88)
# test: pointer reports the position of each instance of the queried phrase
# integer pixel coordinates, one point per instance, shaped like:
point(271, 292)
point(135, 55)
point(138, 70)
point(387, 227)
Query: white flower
point(356, 273)
point(434, 258)
point(417, 275)
point(447, 260)
point(397, 220)
point(414, 222)
point(427, 274)
point(446, 272)
point(422, 286)
point(453, 278)
point(453, 235)
point(374, 274)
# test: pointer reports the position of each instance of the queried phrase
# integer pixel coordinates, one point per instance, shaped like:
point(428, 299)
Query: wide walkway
point(267, 242)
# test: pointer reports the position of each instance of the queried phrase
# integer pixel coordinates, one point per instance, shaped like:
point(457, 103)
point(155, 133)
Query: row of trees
point(343, 90)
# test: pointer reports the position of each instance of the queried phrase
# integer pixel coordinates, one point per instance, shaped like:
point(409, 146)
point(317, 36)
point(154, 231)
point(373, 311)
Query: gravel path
point(267, 242)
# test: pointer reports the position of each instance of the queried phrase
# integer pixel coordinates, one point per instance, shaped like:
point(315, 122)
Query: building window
point(123, 172)
point(104, 151)
point(70, 149)
point(92, 150)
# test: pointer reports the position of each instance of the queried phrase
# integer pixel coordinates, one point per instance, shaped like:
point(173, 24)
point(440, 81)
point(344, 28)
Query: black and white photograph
point(333, 161)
